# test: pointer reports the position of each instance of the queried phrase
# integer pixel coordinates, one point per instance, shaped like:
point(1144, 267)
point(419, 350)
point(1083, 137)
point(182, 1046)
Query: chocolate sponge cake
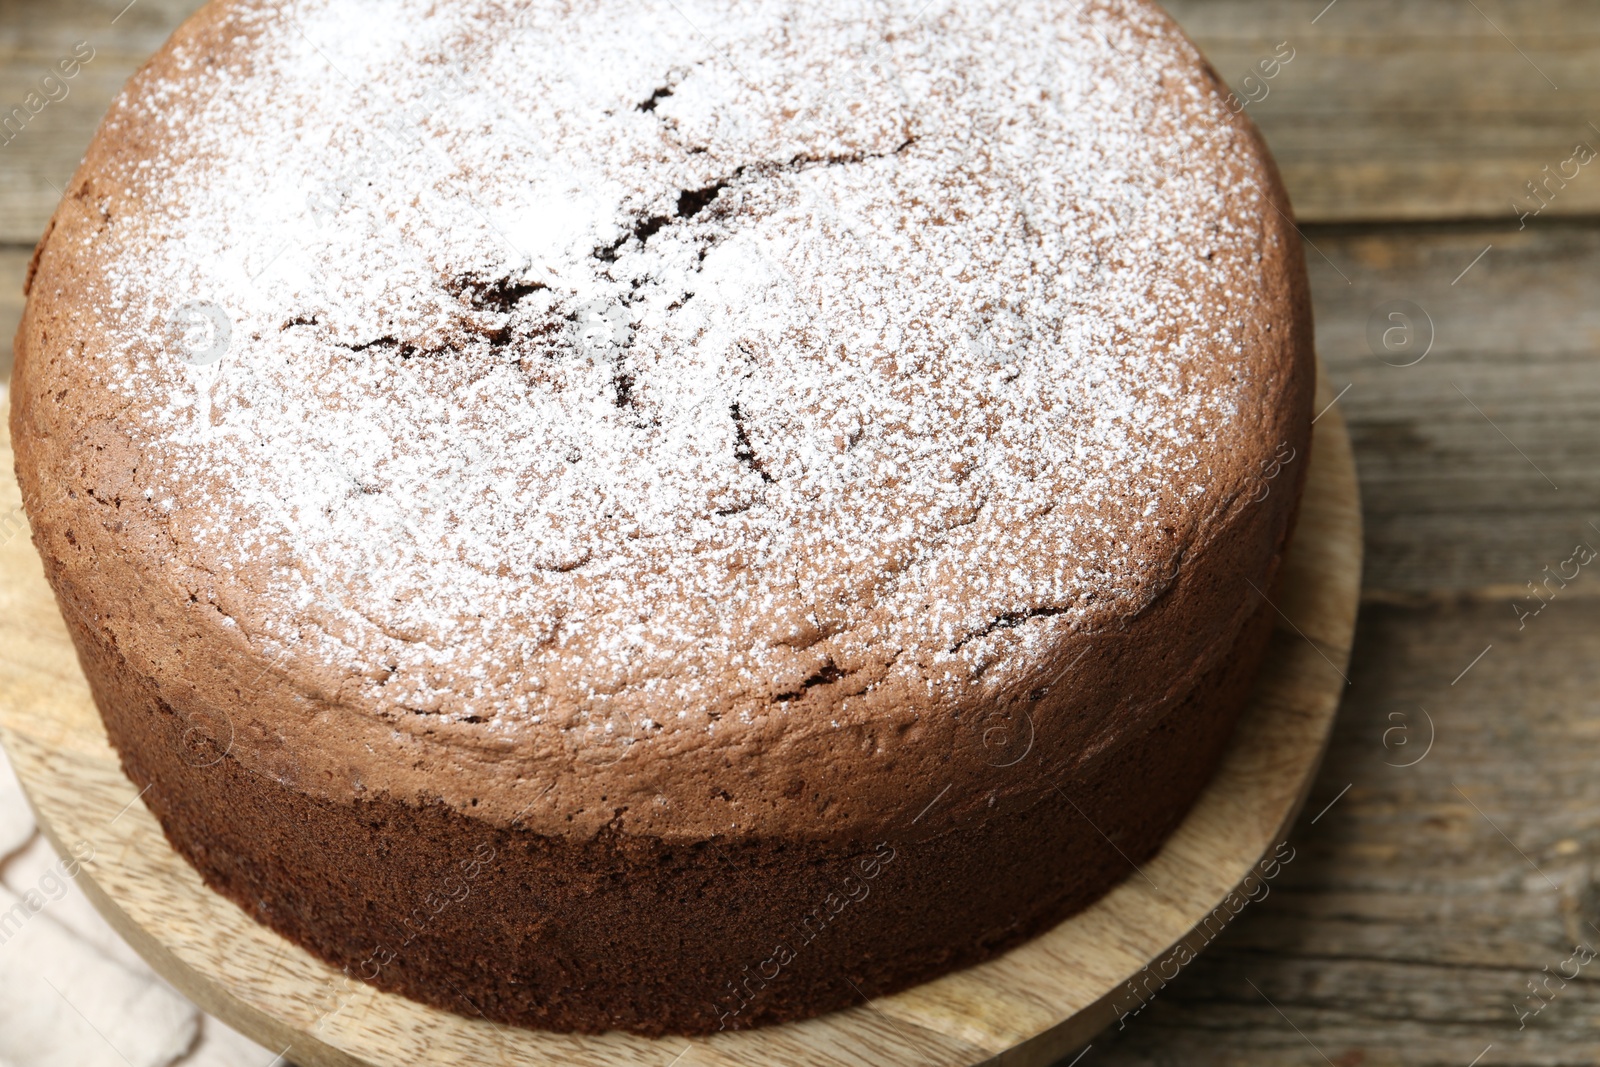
point(674, 515)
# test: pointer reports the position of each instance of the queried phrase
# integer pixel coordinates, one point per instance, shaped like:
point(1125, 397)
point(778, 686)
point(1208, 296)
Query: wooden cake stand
point(1026, 1008)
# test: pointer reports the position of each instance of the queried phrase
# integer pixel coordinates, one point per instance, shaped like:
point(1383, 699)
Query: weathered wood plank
point(13, 270)
point(1407, 926)
point(39, 150)
point(1456, 496)
point(1428, 109)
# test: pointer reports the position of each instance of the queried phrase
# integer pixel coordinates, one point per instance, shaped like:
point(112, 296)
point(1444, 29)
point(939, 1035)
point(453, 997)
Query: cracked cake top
point(663, 415)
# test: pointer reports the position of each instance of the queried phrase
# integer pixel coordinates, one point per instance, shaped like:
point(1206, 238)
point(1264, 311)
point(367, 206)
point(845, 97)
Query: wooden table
point(1427, 897)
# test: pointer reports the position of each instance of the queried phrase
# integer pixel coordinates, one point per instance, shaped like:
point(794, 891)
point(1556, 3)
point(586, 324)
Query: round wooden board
point(1024, 1009)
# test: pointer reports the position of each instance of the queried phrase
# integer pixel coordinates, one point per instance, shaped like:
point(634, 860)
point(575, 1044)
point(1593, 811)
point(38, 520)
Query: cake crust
point(680, 469)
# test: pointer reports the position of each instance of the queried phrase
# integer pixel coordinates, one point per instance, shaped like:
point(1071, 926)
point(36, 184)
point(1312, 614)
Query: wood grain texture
point(38, 156)
point(1429, 896)
point(1028, 1007)
point(1430, 109)
point(13, 270)
point(1480, 465)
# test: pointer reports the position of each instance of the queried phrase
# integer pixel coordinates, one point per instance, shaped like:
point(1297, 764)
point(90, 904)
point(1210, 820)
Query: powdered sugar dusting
point(657, 362)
